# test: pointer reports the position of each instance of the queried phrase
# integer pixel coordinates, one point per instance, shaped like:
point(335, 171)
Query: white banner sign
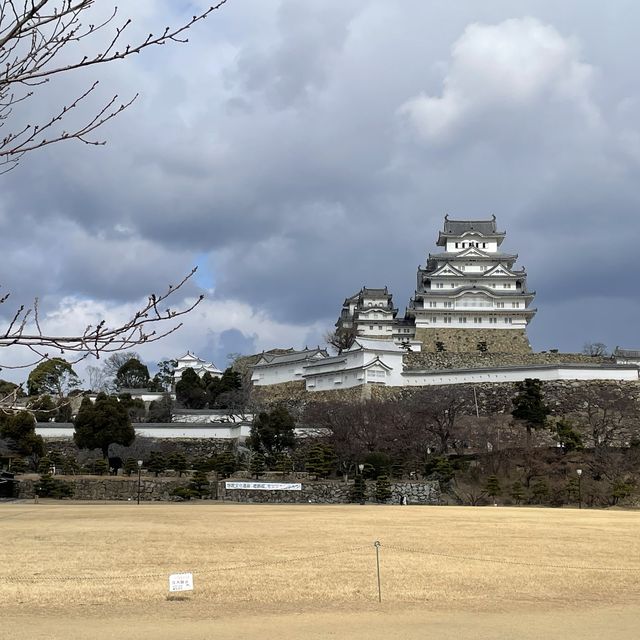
point(181, 582)
point(265, 486)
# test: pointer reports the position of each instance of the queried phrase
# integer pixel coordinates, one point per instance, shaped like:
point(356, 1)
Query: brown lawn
point(77, 570)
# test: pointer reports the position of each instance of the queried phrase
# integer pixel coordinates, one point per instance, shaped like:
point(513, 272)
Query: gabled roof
point(506, 271)
point(478, 255)
point(458, 228)
point(440, 271)
point(370, 344)
point(295, 356)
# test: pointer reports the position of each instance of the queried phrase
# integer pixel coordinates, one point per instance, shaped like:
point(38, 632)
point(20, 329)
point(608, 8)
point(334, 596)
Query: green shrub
point(383, 489)
point(50, 487)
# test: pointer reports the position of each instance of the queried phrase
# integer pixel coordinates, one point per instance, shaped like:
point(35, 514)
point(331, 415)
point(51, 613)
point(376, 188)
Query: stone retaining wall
point(425, 492)
point(108, 487)
point(466, 340)
point(159, 489)
point(476, 360)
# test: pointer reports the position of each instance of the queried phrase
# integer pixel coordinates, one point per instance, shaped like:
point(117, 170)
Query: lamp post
point(361, 467)
point(579, 472)
point(139, 476)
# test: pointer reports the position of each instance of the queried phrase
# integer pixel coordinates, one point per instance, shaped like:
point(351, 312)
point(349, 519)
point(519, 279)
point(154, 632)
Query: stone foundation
point(466, 340)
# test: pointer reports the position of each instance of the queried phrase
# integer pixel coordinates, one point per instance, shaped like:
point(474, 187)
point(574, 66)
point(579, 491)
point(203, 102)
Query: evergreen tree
point(44, 465)
point(529, 407)
point(190, 392)
point(54, 377)
point(130, 466)
point(200, 486)
point(257, 464)
point(19, 429)
point(132, 375)
point(50, 487)
point(359, 491)
point(272, 433)
point(492, 488)
point(517, 492)
point(226, 464)
point(540, 491)
point(102, 423)
point(567, 436)
point(135, 407)
point(161, 411)
point(178, 462)
point(383, 489)
point(156, 463)
point(320, 460)
point(100, 466)
point(284, 463)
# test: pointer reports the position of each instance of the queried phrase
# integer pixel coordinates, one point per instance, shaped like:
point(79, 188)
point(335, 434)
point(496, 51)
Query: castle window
point(462, 320)
point(371, 327)
point(477, 320)
point(457, 245)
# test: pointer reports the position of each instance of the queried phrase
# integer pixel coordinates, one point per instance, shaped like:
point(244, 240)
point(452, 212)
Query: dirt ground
point(354, 623)
point(72, 570)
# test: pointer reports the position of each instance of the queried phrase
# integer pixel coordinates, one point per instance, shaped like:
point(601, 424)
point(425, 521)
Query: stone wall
point(193, 448)
point(159, 489)
point(108, 487)
point(466, 340)
point(426, 492)
point(477, 360)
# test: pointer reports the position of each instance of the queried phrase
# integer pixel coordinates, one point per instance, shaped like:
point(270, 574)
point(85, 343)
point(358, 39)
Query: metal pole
point(579, 472)
point(376, 544)
point(139, 472)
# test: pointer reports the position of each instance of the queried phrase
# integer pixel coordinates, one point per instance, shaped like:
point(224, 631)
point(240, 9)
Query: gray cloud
point(308, 149)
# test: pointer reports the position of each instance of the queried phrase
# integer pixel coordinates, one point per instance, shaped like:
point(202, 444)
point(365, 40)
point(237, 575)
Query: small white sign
point(265, 486)
point(181, 582)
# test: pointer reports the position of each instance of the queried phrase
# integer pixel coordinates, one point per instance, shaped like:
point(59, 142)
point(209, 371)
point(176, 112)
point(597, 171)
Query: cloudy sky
point(296, 151)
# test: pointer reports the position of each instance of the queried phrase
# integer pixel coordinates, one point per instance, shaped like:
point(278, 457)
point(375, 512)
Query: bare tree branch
point(146, 325)
point(36, 38)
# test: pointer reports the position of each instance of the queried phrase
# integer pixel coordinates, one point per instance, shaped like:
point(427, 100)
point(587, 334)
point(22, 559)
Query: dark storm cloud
point(311, 148)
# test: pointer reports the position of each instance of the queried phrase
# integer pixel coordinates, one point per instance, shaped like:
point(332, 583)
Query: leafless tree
point(43, 39)
point(438, 410)
point(151, 322)
point(595, 349)
point(340, 339)
point(606, 412)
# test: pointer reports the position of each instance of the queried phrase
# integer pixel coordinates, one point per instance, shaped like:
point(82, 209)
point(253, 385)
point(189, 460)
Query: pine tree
point(540, 491)
point(359, 491)
point(178, 462)
point(200, 485)
point(492, 487)
point(130, 466)
point(257, 465)
point(383, 489)
point(517, 492)
point(156, 462)
point(529, 407)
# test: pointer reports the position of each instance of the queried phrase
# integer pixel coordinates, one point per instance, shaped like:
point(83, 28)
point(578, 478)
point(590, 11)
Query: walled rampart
point(466, 340)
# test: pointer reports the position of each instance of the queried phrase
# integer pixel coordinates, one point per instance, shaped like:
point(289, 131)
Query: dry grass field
point(77, 570)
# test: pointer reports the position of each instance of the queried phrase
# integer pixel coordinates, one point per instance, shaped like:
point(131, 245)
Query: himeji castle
point(468, 296)
point(465, 324)
point(470, 292)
